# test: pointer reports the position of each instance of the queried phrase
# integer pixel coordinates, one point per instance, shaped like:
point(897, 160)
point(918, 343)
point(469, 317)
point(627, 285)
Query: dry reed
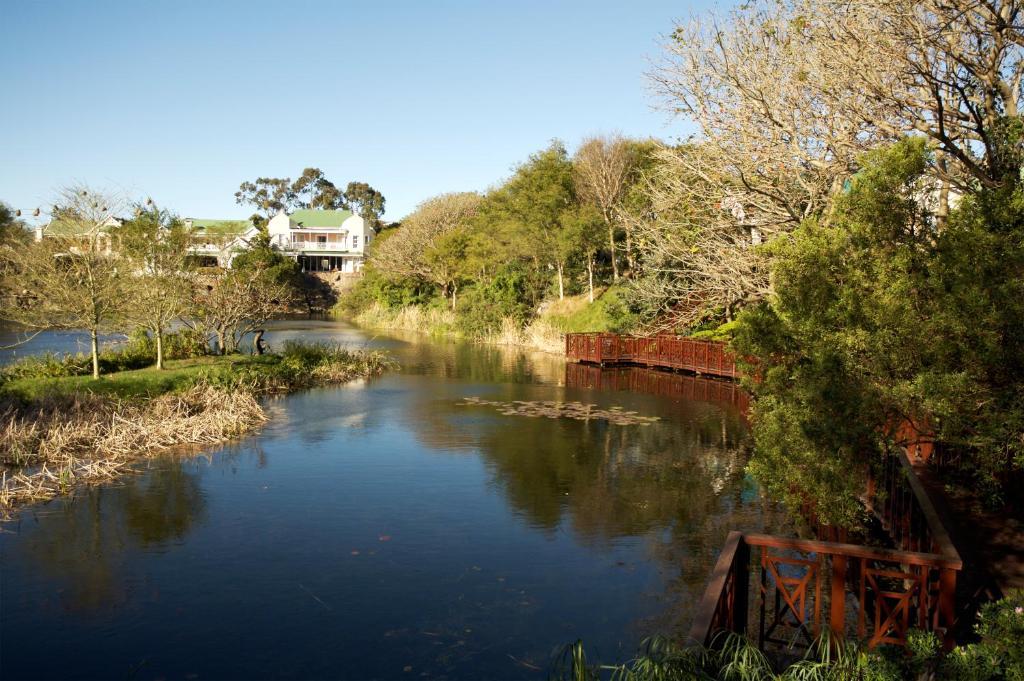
point(87, 439)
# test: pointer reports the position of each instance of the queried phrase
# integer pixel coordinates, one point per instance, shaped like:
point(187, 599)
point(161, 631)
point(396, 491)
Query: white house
point(322, 240)
point(215, 242)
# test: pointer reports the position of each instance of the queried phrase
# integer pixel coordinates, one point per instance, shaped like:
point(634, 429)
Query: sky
point(181, 101)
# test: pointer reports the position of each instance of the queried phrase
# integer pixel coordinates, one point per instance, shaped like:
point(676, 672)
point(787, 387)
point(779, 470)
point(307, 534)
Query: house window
point(321, 239)
point(355, 241)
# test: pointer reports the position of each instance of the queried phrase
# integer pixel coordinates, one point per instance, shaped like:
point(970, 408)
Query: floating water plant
point(563, 410)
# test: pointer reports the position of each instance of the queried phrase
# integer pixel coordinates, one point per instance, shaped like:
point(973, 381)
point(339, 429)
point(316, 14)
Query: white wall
point(358, 227)
point(279, 229)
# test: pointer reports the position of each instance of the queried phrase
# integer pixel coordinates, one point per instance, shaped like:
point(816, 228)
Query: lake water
point(382, 530)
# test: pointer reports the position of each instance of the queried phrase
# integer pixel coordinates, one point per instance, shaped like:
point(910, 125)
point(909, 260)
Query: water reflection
point(380, 525)
point(87, 537)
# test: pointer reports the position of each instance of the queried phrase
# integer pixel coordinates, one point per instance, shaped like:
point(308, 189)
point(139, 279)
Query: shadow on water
point(386, 525)
point(87, 537)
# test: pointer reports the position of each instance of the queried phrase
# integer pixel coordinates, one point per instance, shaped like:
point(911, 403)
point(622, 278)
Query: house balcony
point(320, 247)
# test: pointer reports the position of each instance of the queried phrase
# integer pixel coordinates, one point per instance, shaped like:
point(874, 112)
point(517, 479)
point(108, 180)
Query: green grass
point(149, 382)
point(607, 313)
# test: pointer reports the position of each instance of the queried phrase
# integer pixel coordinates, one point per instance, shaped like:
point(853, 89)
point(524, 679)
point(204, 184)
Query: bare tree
point(602, 167)
point(788, 94)
point(237, 303)
point(71, 279)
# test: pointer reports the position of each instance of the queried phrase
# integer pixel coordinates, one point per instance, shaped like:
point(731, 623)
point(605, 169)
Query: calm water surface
point(382, 530)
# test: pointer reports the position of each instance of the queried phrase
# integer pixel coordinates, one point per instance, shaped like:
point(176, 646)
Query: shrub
point(184, 343)
point(1000, 652)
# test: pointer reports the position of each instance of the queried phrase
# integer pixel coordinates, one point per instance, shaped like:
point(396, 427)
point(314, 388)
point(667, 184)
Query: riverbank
point(544, 333)
point(59, 432)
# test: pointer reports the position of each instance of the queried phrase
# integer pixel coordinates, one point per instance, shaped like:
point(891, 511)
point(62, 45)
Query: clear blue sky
point(183, 100)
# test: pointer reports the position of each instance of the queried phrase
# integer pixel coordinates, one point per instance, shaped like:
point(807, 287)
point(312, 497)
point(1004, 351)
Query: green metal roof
point(320, 218)
point(60, 227)
point(220, 227)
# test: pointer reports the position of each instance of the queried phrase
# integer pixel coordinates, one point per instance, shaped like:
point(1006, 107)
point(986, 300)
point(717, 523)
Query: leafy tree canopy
point(879, 316)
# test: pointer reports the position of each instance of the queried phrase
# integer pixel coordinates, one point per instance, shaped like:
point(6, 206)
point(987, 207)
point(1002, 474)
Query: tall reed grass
point(430, 320)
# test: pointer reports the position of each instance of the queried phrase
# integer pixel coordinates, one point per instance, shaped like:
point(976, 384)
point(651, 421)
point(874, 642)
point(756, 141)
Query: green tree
point(156, 242)
point(268, 196)
point(531, 204)
point(313, 190)
point(430, 244)
point(582, 235)
point(12, 228)
point(878, 317)
point(366, 201)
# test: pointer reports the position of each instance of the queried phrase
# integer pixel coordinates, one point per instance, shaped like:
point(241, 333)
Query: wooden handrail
point(704, 623)
point(667, 352)
point(791, 590)
point(938, 531)
point(854, 551)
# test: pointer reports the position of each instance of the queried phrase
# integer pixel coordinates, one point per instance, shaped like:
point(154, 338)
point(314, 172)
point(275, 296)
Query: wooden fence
point(667, 352)
point(807, 585)
point(804, 585)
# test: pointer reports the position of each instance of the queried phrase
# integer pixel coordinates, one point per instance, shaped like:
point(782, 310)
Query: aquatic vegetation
point(86, 439)
point(58, 431)
point(563, 410)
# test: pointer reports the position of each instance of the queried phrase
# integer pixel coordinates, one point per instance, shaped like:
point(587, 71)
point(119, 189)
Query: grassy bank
point(545, 331)
point(60, 431)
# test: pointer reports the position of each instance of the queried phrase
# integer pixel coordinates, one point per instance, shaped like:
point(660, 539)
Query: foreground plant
point(734, 658)
point(85, 439)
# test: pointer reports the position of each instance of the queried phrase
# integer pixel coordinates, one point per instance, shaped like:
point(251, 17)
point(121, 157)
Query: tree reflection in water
point(85, 538)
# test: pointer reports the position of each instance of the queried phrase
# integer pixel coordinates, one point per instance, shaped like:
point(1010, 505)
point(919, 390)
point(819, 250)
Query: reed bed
point(540, 334)
point(430, 320)
point(71, 436)
point(86, 439)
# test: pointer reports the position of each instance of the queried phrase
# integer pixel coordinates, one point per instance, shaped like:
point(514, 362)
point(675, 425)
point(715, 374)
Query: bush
point(1000, 653)
point(375, 288)
point(483, 308)
point(298, 365)
point(184, 343)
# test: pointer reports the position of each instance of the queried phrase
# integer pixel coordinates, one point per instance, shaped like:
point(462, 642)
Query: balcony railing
point(318, 247)
point(804, 585)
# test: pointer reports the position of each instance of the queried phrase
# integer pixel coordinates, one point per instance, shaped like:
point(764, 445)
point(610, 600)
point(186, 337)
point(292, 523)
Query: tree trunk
point(611, 247)
point(159, 348)
point(561, 283)
point(258, 347)
point(94, 342)
point(454, 290)
point(221, 346)
point(942, 210)
point(629, 250)
point(590, 275)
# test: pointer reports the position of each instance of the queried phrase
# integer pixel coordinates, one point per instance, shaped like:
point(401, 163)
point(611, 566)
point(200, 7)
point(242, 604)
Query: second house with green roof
point(319, 240)
point(322, 240)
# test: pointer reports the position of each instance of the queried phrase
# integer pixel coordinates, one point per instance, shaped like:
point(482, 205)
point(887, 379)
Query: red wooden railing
point(668, 352)
point(803, 582)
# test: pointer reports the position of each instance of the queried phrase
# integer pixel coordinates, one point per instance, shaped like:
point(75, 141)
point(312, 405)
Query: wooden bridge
point(801, 587)
point(665, 352)
point(873, 594)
